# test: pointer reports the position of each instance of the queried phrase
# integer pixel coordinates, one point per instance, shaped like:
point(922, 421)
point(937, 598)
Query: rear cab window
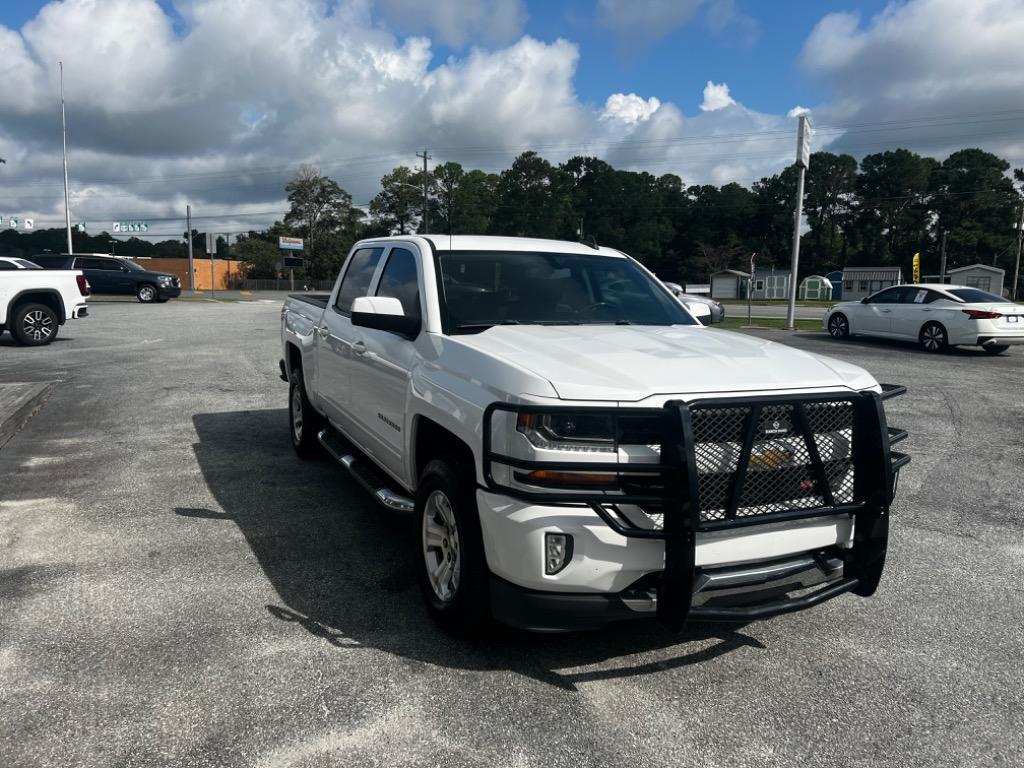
point(358, 275)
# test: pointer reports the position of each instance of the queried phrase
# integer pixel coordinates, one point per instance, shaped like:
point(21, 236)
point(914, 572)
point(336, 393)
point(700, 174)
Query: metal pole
point(188, 237)
point(942, 259)
point(426, 209)
point(213, 284)
point(291, 278)
point(795, 268)
point(64, 136)
point(1020, 242)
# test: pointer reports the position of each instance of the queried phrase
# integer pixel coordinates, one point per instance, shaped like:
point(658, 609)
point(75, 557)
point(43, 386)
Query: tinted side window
point(357, 278)
point(7, 265)
point(92, 264)
point(52, 262)
point(399, 280)
point(891, 296)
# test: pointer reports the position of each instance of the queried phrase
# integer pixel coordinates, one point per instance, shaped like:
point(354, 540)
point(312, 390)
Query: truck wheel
point(451, 565)
point(34, 325)
point(933, 338)
point(303, 420)
point(146, 293)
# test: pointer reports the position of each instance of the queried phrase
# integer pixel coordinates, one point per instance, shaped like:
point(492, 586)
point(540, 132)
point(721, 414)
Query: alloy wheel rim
point(37, 325)
point(838, 325)
point(297, 415)
point(146, 293)
point(441, 551)
point(932, 338)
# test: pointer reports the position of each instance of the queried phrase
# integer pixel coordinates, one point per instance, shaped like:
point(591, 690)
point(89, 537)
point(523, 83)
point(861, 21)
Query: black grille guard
point(861, 485)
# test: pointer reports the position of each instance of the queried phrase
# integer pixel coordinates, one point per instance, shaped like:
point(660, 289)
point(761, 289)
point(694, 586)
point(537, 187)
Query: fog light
point(557, 552)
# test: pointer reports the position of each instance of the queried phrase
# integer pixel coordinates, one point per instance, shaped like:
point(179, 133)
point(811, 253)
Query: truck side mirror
point(384, 313)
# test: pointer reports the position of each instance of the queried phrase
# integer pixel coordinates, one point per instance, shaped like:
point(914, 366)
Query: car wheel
point(34, 325)
point(996, 349)
point(933, 338)
point(147, 293)
point(304, 422)
point(839, 326)
point(451, 565)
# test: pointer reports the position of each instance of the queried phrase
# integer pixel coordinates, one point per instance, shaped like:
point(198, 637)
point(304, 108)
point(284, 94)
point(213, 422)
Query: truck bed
point(316, 299)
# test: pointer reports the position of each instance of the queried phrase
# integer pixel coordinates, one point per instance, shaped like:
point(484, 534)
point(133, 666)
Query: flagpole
point(64, 132)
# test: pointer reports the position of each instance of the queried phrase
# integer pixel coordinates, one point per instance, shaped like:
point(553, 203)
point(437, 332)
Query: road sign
point(122, 227)
point(14, 222)
point(294, 262)
point(80, 226)
point(29, 223)
point(290, 243)
point(211, 243)
point(803, 143)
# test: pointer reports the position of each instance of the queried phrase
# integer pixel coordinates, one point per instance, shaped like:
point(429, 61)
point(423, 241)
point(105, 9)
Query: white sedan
point(935, 315)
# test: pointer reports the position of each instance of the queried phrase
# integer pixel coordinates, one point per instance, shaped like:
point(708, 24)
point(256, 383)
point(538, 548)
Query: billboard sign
point(290, 243)
point(294, 262)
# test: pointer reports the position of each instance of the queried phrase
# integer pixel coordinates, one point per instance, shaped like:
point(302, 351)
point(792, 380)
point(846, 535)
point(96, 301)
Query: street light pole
point(64, 135)
point(1020, 242)
point(426, 209)
point(803, 155)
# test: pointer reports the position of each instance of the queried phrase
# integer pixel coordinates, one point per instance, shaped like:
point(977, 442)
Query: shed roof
point(730, 272)
point(871, 273)
point(978, 265)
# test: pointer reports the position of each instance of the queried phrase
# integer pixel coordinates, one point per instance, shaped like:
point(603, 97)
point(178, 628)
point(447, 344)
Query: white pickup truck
point(576, 448)
point(34, 302)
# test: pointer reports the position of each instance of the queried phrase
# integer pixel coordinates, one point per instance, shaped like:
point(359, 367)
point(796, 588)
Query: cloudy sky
point(216, 102)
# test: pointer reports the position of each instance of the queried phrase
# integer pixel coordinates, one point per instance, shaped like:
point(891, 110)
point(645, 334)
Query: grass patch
point(775, 323)
point(775, 303)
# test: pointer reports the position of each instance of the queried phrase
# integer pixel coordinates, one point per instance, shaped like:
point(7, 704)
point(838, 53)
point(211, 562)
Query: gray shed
point(729, 284)
point(770, 284)
point(859, 282)
point(980, 276)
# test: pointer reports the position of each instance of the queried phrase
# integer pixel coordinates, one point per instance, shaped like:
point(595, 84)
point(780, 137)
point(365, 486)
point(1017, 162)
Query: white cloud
point(629, 108)
point(641, 22)
point(918, 60)
point(797, 111)
point(452, 22)
point(716, 96)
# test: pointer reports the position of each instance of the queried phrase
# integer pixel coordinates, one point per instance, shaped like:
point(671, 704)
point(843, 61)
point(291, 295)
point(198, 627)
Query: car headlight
point(164, 279)
point(568, 431)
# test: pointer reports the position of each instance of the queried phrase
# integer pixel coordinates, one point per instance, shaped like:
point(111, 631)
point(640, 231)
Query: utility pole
point(803, 159)
point(426, 209)
point(1020, 242)
point(188, 238)
point(64, 135)
point(942, 258)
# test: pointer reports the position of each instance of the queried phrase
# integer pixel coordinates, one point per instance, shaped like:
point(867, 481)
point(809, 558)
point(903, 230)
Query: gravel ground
point(177, 588)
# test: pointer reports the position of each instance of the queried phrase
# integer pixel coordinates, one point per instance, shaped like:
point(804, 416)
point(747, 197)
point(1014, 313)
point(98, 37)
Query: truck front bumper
point(732, 593)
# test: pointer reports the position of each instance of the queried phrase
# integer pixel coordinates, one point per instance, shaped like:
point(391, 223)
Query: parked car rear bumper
point(993, 339)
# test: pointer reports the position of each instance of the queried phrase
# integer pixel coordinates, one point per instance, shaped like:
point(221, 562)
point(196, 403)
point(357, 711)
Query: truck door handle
point(359, 348)
point(323, 330)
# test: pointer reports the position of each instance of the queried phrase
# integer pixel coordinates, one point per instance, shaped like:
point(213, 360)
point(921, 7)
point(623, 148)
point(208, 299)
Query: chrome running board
point(364, 473)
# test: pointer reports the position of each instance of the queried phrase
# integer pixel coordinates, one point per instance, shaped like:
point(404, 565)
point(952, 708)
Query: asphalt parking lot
point(177, 588)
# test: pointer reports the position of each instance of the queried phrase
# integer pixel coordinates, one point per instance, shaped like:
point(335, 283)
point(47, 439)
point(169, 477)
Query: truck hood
point(631, 363)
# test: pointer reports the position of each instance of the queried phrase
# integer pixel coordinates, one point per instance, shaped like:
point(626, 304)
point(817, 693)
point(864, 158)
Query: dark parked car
point(109, 274)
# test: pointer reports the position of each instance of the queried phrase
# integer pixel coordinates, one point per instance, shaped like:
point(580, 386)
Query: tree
point(827, 201)
point(892, 206)
point(320, 209)
point(975, 202)
point(395, 206)
point(261, 253)
point(533, 202)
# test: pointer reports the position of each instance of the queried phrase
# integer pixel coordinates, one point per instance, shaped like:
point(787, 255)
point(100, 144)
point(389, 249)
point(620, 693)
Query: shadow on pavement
point(343, 567)
point(896, 345)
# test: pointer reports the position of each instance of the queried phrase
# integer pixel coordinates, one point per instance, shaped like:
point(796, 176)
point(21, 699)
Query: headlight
point(164, 279)
point(569, 431)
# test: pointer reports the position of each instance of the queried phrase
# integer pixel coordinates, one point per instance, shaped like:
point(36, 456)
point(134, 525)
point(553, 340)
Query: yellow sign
point(917, 267)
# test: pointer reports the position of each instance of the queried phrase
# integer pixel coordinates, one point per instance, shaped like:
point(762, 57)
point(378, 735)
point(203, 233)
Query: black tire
point(996, 349)
point(33, 325)
point(933, 338)
point(839, 326)
point(147, 293)
point(466, 611)
point(304, 429)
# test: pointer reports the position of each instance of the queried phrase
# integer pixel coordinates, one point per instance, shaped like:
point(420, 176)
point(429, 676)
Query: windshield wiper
point(483, 326)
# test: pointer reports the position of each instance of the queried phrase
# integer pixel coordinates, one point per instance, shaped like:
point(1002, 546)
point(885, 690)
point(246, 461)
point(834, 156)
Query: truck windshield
point(480, 290)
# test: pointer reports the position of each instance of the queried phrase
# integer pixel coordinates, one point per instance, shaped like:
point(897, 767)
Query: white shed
point(980, 276)
point(815, 288)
